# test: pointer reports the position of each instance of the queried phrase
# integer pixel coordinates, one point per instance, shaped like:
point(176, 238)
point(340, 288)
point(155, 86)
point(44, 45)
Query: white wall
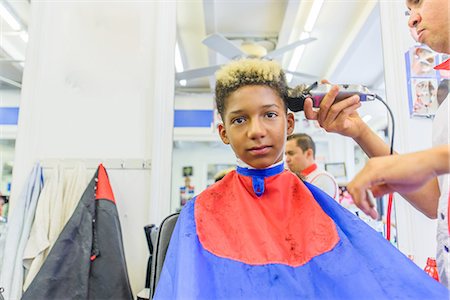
point(98, 84)
point(9, 97)
point(416, 233)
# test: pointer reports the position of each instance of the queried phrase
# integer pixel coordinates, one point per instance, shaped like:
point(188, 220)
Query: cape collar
point(258, 176)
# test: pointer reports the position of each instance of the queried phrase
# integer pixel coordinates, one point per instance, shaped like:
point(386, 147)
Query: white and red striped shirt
point(322, 179)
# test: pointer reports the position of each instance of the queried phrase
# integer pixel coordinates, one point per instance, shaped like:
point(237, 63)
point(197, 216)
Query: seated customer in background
point(300, 158)
point(262, 233)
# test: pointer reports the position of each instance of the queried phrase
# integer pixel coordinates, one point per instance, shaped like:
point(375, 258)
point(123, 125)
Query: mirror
point(346, 50)
point(14, 17)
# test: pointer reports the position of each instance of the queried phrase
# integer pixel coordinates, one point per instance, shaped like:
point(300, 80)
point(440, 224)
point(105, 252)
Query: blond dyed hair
point(245, 72)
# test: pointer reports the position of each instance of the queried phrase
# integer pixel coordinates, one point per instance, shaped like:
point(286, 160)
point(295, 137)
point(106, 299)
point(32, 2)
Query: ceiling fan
point(224, 46)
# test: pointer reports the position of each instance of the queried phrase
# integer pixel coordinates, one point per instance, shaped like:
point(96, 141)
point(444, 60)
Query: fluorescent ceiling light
point(313, 15)
point(309, 25)
point(178, 61)
point(296, 56)
point(179, 64)
point(9, 17)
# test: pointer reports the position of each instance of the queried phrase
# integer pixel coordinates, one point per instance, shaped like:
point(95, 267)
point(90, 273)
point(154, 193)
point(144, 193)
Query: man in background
point(300, 157)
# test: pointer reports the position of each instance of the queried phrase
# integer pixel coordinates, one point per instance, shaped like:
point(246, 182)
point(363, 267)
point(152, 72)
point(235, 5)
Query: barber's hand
point(387, 174)
point(339, 117)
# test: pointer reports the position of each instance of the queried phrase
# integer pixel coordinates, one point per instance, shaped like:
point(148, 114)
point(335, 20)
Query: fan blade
point(197, 73)
point(222, 45)
point(282, 50)
point(300, 74)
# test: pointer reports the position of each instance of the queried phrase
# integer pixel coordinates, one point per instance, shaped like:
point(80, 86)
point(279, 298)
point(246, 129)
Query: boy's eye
point(238, 121)
point(271, 115)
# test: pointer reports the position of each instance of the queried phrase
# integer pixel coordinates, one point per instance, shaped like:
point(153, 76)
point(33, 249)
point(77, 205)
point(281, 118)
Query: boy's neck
point(242, 164)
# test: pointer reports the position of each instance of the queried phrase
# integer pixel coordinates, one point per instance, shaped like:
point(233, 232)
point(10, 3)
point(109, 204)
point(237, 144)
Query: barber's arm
point(412, 175)
point(341, 117)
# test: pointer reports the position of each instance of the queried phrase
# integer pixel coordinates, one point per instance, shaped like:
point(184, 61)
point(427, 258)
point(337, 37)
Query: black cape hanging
point(87, 260)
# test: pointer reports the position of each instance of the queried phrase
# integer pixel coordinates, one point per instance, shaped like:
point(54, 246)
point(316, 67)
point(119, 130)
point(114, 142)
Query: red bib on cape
point(285, 225)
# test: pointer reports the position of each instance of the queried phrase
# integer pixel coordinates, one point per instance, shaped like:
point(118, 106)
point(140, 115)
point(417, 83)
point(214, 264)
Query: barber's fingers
point(363, 200)
point(359, 187)
point(339, 113)
point(347, 105)
point(326, 103)
point(310, 114)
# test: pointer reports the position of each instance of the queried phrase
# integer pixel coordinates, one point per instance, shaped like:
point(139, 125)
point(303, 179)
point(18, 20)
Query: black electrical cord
point(392, 121)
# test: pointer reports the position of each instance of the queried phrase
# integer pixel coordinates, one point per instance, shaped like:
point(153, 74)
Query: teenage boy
point(261, 233)
point(301, 159)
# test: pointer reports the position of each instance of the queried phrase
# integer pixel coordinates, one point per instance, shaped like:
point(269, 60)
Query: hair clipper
point(318, 91)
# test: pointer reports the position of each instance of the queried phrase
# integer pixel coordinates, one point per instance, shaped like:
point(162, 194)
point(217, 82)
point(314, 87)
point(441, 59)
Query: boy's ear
point(223, 134)
point(290, 123)
point(309, 153)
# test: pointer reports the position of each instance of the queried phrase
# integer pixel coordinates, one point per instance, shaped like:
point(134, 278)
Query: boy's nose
point(256, 129)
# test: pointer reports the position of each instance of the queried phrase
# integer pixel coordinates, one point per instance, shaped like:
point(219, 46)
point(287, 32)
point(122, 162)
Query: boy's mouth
point(260, 150)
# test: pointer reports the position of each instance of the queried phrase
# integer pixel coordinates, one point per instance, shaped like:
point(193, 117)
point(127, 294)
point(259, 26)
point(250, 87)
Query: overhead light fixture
point(298, 52)
point(309, 25)
point(9, 17)
point(313, 15)
point(179, 63)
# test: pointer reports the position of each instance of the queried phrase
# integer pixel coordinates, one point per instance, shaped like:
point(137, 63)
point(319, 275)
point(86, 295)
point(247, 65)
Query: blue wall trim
point(193, 118)
point(9, 115)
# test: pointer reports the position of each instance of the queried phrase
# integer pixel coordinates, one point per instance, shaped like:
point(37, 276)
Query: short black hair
point(245, 72)
point(304, 141)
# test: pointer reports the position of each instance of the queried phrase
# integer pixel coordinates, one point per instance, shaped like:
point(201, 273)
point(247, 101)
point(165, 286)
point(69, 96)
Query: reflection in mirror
point(301, 37)
point(6, 165)
point(13, 40)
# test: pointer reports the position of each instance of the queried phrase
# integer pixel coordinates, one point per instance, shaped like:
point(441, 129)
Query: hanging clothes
point(75, 182)
point(19, 227)
point(60, 196)
point(46, 226)
point(88, 260)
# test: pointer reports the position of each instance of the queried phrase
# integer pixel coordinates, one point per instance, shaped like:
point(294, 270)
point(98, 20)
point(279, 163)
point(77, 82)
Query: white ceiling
point(347, 49)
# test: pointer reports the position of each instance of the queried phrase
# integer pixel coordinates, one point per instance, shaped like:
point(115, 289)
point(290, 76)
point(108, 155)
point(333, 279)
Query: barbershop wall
point(93, 89)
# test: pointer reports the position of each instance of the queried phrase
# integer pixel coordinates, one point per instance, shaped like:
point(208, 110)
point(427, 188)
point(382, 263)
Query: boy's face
point(256, 125)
